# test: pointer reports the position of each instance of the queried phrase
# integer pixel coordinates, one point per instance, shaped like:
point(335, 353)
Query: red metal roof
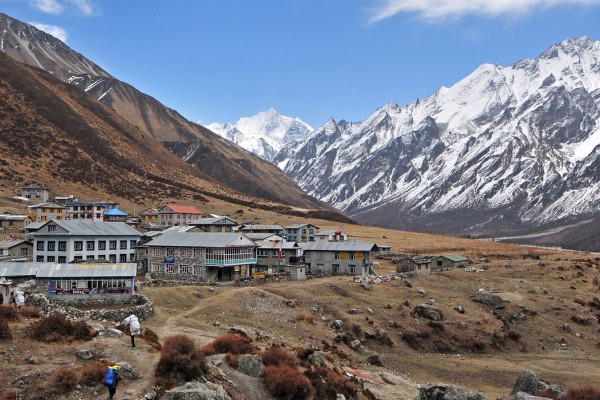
point(183, 209)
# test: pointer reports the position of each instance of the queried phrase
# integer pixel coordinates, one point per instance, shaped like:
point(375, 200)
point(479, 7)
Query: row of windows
point(335, 268)
point(265, 253)
point(90, 245)
point(177, 269)
point(199, 253)
point(63, 259)
point(24, 251)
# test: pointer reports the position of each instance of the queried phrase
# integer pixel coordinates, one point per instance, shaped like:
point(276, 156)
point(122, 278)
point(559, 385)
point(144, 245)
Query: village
point(94, 248)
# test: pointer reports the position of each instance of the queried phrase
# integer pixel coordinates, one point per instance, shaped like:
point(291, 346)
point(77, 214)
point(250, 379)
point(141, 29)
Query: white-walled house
point(67, 241)
point(346, 257)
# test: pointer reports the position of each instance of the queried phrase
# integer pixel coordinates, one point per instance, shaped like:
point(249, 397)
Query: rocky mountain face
point(505, 149)
point(265, 133)
point(214, 157)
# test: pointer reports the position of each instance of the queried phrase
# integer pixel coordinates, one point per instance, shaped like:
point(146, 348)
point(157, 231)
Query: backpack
point(109, 377)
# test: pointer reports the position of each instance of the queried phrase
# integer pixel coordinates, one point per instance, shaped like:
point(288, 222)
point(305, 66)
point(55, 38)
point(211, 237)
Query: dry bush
point(303, 353)
point(583, 393)
point(66, 378)
point(416, 340)
point(4, 330)
point(9, 394)
point(328, 383)
point(152, 339)
point(180, 361)
point(30, 312)
point(232, 343)
point(8, 312)
point(56, 328)
point(232, 360)
point(275, 355)
point(287, 382)
point(579, 301)
point(93, 372)
point(436, 326)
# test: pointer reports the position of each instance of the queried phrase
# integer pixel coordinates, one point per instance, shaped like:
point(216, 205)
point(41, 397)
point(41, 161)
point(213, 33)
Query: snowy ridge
point(520, 141)
point(264, 134)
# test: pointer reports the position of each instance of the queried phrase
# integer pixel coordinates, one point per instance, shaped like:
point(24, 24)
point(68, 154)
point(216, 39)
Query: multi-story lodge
point(301, 233)
point(43, 212)
point(88, 210)
point(149, 217)
point(344, 257)
point(278, 256)
point(174, 215)
point(67, 241)
point(260, 228)
point(35, 192)
point(200, 255)
point(214, 224)
point(10, 223)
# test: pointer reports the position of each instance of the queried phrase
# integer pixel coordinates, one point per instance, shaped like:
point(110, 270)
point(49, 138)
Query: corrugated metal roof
point(15, 269)
point(201, 239)
point(298, 226)
point(84, 270)
point(48, 204)
point(215, 220)
point(91, 228)
point(258, 227)
point(346, 245)
point(278, 245)
point(34, 226)
point(7, 244)
point(12, 217)
point(454, 257)
point(260, 235)
point(115, 211)
point(181, 209)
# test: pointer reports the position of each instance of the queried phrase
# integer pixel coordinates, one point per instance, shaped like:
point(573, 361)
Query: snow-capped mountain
point(265, 133)
point(506, 147)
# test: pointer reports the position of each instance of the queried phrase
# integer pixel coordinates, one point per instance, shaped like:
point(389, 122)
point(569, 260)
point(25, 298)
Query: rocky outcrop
point(197, 391)
point(447, 392)
point(529, 382)
point(489, 299)
point(427, 311)
point(251, 365)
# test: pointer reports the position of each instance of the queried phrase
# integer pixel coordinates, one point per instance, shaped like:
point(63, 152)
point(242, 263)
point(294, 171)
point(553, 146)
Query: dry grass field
point(549, 323)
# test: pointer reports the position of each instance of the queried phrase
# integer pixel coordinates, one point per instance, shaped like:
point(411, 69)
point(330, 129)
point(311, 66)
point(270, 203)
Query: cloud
point(47, 6)
point(440, 9)
point(53, 30)
point(85, 7)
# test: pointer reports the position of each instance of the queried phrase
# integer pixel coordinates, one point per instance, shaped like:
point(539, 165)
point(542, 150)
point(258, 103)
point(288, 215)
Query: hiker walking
point(132, 326)
point(111, 379)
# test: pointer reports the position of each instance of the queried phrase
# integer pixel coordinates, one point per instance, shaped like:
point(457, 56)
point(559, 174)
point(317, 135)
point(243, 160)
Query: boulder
point(356, 345)
point(317, 358)
point(110, 332)
point(447, 392)
point(337, 324)
point(426, 311)
point(127, 371)
point(197, 391)
point(525, 396)
point(489, 299)
point(251, 365)
point(84, 354)
point(529, 382)
point(460, 309)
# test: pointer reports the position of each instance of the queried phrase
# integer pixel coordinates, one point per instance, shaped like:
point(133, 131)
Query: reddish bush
point(180, 361)
point(303, 353)
point(56, 328)
point(8, 312)
point(436, 326)
point(30, 312)
point(275, 355)
point(231, 343)
point(93, 372)
point(232, 360)
point(583, 393)
point(4, 330)
point(8, 394)
point(66, 378)
point(329, 383)
point(287, 382)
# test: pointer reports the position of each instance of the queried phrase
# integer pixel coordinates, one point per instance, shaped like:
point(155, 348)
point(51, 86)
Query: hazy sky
point(219, 60)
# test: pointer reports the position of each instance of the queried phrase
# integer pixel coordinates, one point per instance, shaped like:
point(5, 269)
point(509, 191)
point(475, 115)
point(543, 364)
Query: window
point(123, 258)
point(263, 253)
point(440, 263)
point(77, 258)
point(169, 268)
point(101, 244)
point(113, 245)
point(51, 228)
point(24, 251)
point(351, 255)
point(62, 259)
point(155, 267)
point(90, 245)
point(78, 245)
point(320, 255)
point(157, 251)
point(197, 270)
point(335, 268)
point(40, 245)
point(39, 259)
point(62, 246)
point(336, 255)
point(51, 259)
point(132, 244)
point(170, 252)
point(51, 245)
point(123, 244)
point(101, 257)
point(352, 268)
point(112, 258)
point(132, 257)
point(89, 257)
point(184, 269)
point(197, 253)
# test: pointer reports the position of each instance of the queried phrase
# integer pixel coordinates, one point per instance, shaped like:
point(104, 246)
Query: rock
point(566, 328)
point(150, 393)
point(338, 324)
point(531, 383)
point(317, 358)
point(460, 309)
point(421, 292)
point(340, 396)
point(216, 323)
point(489, 299)
point(426, 311)
point(370, 311)
point(356, 345)
point(198, 294)
point(84, 354)
point(354, 311)
point(383, 337)
point(197, 391)
point(525, 396)
point(365, 285)
point(447, 392)
point(32, 360)
point(110, 332)
point(127, 371)
point(251, 365)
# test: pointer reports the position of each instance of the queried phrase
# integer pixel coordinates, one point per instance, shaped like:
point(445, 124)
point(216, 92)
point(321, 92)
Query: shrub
point(93, 372)
point(416, 340)
point(303, 353)
point(56, 328)
point(66, 378)
point(436, 326)
point(232, 360)
point(583, 393)
point(180, 361)
point(275, 355)
point(231, 343)
point(152, 338)
point(328, 383)
point(8, 312)
point(4, 330)
point(287, 382)
point(9, 394)
point(30, 312)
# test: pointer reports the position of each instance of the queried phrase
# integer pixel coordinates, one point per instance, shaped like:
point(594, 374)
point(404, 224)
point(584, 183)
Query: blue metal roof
point(116, 212)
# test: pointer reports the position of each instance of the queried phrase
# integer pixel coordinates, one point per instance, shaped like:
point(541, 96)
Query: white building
point(67, 241)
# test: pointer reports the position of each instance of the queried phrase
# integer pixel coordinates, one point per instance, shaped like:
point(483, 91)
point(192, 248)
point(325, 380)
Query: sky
point(220, 60)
